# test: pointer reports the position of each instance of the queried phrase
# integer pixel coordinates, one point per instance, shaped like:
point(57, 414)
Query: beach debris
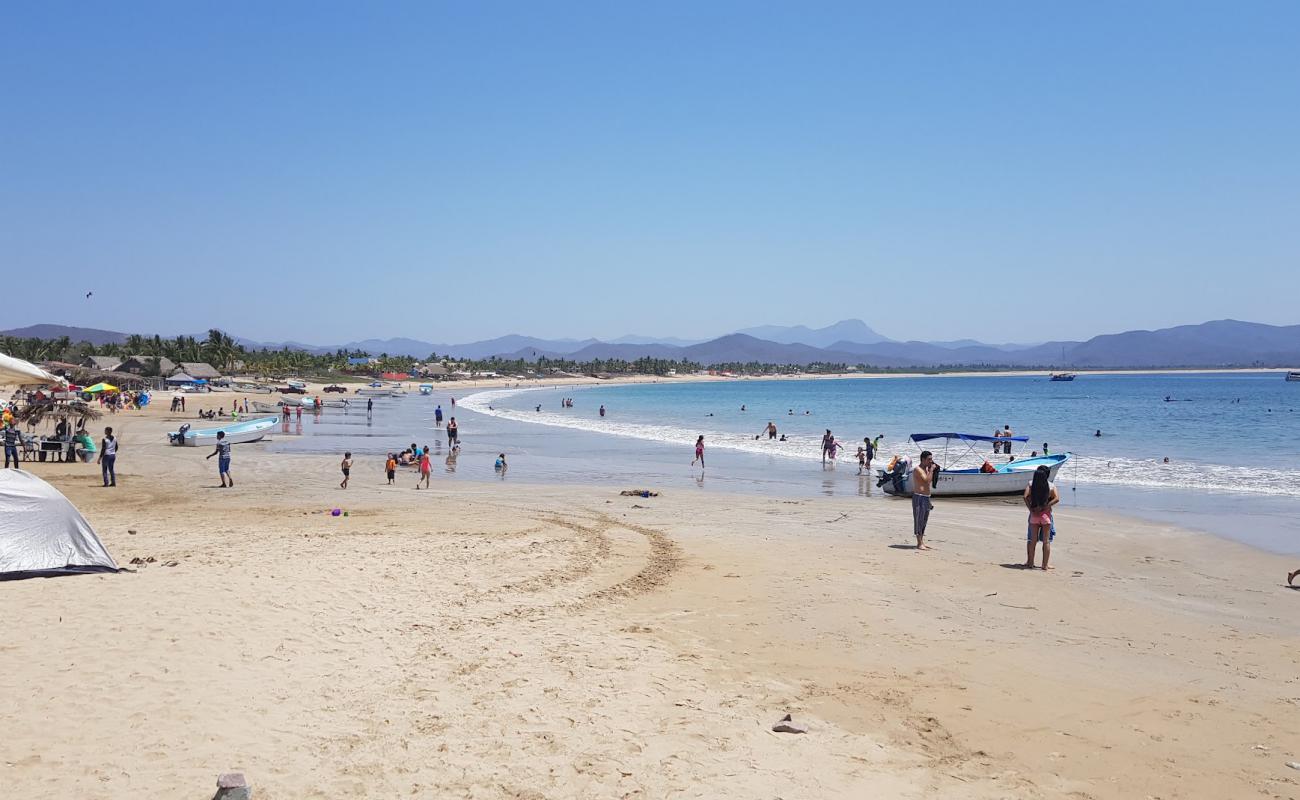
point(787, 725)
point(638, 493)
point(1293, 764)
point(171, 563)
point(130, 531)
point(232, 786)
point(336, 512)
point(143, 561)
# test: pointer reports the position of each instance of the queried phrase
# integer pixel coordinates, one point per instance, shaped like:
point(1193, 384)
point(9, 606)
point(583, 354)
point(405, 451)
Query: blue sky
point(333, 171)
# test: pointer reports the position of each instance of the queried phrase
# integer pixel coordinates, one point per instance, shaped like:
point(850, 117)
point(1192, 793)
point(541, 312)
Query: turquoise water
point(1212, 440)
point(1232, 440)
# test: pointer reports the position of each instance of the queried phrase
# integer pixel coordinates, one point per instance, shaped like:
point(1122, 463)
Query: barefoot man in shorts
point(922, 482)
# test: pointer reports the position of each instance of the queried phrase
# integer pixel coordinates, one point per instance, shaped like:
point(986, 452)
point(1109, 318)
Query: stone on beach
point(232, 786)
point(787, 725)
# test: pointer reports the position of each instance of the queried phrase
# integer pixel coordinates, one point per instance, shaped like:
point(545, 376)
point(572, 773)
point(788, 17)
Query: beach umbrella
point(100, 387)
point(25, 373)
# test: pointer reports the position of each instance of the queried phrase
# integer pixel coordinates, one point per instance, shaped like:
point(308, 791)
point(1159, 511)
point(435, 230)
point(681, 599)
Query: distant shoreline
point(314, 387)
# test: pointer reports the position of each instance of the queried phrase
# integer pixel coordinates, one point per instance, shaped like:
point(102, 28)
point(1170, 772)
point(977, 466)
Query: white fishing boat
point(1063, 376)
point(987, 479)
point(426, 388)
point(236, 433)
point(379, 392)
point(1293, 376)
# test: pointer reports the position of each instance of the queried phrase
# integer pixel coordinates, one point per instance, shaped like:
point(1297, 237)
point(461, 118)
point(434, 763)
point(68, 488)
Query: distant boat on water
point(1063, 376)
point(1293, 376)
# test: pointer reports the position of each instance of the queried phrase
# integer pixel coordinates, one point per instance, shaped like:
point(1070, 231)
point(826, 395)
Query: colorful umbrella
point(100, 387)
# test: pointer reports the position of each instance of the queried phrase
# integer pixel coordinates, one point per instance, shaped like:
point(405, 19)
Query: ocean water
point(1232, 440)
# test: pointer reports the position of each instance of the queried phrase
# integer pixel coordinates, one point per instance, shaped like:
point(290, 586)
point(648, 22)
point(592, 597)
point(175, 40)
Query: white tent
point(23, 373)
point(41, 532)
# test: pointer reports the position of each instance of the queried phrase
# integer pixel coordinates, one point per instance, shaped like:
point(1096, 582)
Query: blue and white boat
point(426, 388)
point(994, 479)
point(236, 433)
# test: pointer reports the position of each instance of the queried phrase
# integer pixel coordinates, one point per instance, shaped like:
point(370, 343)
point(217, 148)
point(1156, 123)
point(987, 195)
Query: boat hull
point(1293, 377)
point(1011, 480)
point(236, 433)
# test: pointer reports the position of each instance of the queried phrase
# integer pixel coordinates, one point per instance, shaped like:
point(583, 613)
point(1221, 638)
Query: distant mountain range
point(1222, 343)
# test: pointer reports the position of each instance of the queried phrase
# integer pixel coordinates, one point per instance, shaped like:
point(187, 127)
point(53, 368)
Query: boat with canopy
point(986, 479)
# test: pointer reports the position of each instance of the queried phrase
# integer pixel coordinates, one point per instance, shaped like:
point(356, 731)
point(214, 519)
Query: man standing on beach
point(11, 439)
point(222, 452)
point(108, 457)
point(437, 416)
point(453, 432)
point(922, 482)
point(827, 440)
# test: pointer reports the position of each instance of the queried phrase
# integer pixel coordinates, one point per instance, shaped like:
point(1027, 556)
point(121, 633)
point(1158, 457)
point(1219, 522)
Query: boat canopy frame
point(971, 439)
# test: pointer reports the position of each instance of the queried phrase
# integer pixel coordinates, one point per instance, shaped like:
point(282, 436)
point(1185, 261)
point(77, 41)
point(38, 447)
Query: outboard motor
point(178, 438)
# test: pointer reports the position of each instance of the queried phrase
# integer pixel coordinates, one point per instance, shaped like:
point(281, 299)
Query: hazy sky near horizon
point(325, 172)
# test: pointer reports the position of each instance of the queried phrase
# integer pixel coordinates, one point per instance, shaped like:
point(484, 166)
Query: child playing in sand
point(346, 466)
point(390, 466)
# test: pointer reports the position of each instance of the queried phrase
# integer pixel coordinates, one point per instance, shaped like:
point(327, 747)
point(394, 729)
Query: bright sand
point(502, 640)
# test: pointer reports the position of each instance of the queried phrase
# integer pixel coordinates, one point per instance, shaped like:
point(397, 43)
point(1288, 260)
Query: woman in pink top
point(1040, 496)
point(425, 468)
point(699, 451)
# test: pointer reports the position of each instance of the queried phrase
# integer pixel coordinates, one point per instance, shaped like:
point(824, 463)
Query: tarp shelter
point(42, 533)
point(25, 373)
point(179, 378)
point(100, 387)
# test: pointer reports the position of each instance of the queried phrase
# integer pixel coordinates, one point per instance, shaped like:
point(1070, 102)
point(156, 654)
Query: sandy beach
point(502, 640)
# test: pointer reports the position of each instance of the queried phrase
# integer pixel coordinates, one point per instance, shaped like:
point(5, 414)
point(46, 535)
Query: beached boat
point(1293, 376)
point(426, 388)
point(380, 392)
point(1063, 376)
point(296, 385)
point(236, 433)
point(1006, 478)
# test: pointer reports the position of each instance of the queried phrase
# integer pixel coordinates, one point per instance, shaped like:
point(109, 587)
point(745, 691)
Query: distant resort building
point(144, 365)
point(101, 363)
point(199, 370)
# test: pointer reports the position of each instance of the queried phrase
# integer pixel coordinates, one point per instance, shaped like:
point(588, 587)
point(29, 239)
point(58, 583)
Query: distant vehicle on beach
point(334, 387)
point(292, 390)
